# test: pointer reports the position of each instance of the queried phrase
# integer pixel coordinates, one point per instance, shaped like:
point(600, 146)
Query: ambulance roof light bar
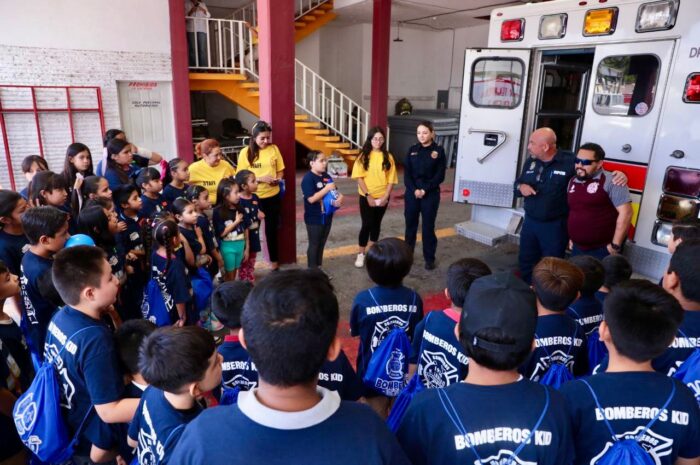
point(657, 16)
point(600, 22)
point(512, 30)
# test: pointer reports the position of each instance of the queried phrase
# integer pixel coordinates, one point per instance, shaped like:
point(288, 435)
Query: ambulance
point(624, 74)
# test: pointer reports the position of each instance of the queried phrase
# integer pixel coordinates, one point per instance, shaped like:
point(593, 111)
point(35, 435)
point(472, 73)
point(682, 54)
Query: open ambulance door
point(490, 126)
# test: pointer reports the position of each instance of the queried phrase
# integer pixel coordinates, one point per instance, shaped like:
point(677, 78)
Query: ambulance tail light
point(692, 89)
point(553, 26)
point(657, 16)
point(661, 235)
point(512, 30)
point(600, 22)
point(673, 208)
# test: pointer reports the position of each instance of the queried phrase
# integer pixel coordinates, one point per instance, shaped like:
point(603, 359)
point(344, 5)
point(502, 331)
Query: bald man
point(543, 183)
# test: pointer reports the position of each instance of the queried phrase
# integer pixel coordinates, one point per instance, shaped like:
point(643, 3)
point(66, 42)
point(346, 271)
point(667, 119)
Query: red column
point(381, 35)
point(276, 62)
point(181, 81)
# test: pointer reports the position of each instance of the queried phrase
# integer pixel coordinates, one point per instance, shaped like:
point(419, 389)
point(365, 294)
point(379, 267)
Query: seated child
point(47, 231)
point(682, 281)
point(495, 415)
point(91, 376)
point(630, 400)
point(289, 328)
point(180, 365)
point(558, 337)
point(128, 338)
point(435, 351)
point(587, 310)
point(388, 305)
point(617, 269)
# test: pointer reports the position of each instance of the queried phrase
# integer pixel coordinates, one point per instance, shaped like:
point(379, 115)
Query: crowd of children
point(500, 376)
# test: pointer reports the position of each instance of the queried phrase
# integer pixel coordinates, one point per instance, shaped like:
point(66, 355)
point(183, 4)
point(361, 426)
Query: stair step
point(317, 12)
point(327, 138)
point(306, 124)
point(326, 6)
point(337, 145)
point(349, 151)
point(299, 24)
point(301, 117)
point(250, 85)
point(254, 93)
point(218, 77)
point(309, 18)
point(317, 132)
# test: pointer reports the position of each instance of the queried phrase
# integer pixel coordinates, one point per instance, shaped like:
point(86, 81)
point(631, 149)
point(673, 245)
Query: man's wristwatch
point(615, 247)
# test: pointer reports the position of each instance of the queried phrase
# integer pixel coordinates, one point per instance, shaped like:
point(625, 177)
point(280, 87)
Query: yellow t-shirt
point(268, 163)
point(209, 177)
point(375, 177)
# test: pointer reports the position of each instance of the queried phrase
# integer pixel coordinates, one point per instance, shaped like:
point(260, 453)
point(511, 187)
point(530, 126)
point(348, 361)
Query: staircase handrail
point(249, 12)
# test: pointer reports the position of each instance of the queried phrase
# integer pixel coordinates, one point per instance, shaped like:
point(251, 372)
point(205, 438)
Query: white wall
point(124, 25)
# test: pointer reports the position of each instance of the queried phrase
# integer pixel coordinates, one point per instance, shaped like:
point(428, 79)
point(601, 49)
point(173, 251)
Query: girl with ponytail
point(166, 267)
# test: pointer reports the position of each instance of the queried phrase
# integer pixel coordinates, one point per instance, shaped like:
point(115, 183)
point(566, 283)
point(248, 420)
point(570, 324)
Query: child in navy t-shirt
point(436, 354)
point(587, 310)
point(47, 231)
point(683, 282)
point(380, 309)
point(640, 321)
point(13, 242)
point(289, 327)
point(83, 346)
point(250, 203)
point(179, 174)
point(131, 241)
point(12, 342)
point(495, 416)
point(128, 339)
point(617, 269)
point(180, 365)
point(152, 200)
point(558, 337)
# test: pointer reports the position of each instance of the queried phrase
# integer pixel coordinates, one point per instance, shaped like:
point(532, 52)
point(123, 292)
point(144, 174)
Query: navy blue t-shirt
point(171, 192)
point(191, 237)
point(310, 184)
point(686, 341)
point(38, 310)
point(219, 222)
point(18, 359)
point(588, 312)
point(150, 206)
point(496, 420)
point(436, 351)
point(12, 248)
point(558, 338)
point(113, 179)
point(89, 371)
point(251, 207)
point(338, 375)
point(376, 311)
point(332, 432)
point(601, 296)
point(237, 369)
point(25, 193)
point(630, 400)
point(131, 238)
point(207, 233)
point(178, 287)
point(157, 426)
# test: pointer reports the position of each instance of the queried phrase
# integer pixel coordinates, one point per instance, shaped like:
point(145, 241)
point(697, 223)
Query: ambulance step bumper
point(482, 232)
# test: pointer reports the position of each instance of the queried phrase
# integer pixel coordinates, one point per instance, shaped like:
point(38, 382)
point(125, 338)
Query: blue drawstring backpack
point(154, 308)
point(558, 373)
point(457, 421)
point(327, 204)
point(628, 451)
point(38, 418)
point(387, 367)
point(202, 289)
point(596, 349)
point(689, 372)
point(229, 396)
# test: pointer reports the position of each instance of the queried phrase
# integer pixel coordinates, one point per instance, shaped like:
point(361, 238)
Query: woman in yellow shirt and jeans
point(375, 172)
point(265, 160)
point(210, 169)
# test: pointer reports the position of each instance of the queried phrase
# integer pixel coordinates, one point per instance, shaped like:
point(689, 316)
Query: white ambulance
point(621, 73)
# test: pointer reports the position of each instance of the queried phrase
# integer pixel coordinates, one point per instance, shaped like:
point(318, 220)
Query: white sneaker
point(360, 260)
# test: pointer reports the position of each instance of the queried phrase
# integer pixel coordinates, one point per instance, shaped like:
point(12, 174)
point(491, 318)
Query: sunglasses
point(580, 161)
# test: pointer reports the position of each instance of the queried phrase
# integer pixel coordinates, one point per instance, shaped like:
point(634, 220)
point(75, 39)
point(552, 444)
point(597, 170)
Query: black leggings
point(318, 235)
point(271, 207)
point(371, 222)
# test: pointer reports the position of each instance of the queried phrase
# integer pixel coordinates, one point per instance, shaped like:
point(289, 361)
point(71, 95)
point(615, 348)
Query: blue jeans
point(540, 239)
point(201, 50)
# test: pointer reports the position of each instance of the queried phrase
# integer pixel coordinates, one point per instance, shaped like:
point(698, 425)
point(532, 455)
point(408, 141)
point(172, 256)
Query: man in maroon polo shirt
point(600, 212)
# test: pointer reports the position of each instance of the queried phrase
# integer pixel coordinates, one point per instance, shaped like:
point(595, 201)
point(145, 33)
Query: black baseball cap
point(502, 301)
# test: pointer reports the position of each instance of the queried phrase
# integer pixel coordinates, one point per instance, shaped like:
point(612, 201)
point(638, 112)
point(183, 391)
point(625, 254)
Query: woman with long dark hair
point(264, 159)
point(376, 176)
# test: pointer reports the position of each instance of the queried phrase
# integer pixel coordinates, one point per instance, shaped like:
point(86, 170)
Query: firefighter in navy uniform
point(424, 171)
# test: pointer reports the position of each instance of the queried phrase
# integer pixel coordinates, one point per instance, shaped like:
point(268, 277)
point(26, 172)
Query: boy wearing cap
point(495, 415)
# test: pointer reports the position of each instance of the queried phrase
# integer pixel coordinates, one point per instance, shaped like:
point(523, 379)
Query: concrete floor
point(341, 248)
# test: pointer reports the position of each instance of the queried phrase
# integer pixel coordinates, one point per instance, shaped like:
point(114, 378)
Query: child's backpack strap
point(646, 428)
point(571, 309)
point(373, 298)
point(573, 339)
point(454, 417)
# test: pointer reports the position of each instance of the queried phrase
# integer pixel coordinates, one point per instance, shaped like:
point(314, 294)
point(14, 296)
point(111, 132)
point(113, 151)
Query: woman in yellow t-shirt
point(210, 169)
point(265, 160)
point(375, 172)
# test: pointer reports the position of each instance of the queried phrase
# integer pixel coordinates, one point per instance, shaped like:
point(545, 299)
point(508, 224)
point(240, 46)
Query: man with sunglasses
point(543, 183)
point(600, 212)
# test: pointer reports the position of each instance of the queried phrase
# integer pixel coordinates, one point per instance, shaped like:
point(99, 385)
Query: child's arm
point(132, 443)
point(98, 455)
point(119, 411)
point(7, 402)
point(246, 251)
point(200, 239)
point(181, 313)
point(319, 195)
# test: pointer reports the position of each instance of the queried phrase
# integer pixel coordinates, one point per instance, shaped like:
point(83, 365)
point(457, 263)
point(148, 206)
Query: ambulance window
point(496, 82)
point(626, 85)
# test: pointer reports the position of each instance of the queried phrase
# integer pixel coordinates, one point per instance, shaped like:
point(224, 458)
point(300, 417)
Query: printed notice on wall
point(146, 113)
point(146, 98)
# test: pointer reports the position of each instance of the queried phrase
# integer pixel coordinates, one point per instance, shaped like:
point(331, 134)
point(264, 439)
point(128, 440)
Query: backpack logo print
point(545, 362)
point(240, 380)
point(504, 457)
point(436, 371)
point(67, 385)
point(657, 446)
point(394, 366)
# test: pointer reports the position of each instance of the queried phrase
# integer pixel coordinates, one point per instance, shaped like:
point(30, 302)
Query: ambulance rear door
point(491, 124)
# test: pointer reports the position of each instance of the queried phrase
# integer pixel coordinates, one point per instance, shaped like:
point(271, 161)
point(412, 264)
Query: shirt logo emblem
point(433, 155)
point(592, 188)
point(532, 165)
point(560, 173)
point(319, 185)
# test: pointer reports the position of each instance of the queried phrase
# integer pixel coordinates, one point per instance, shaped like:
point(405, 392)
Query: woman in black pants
point(375, 172)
